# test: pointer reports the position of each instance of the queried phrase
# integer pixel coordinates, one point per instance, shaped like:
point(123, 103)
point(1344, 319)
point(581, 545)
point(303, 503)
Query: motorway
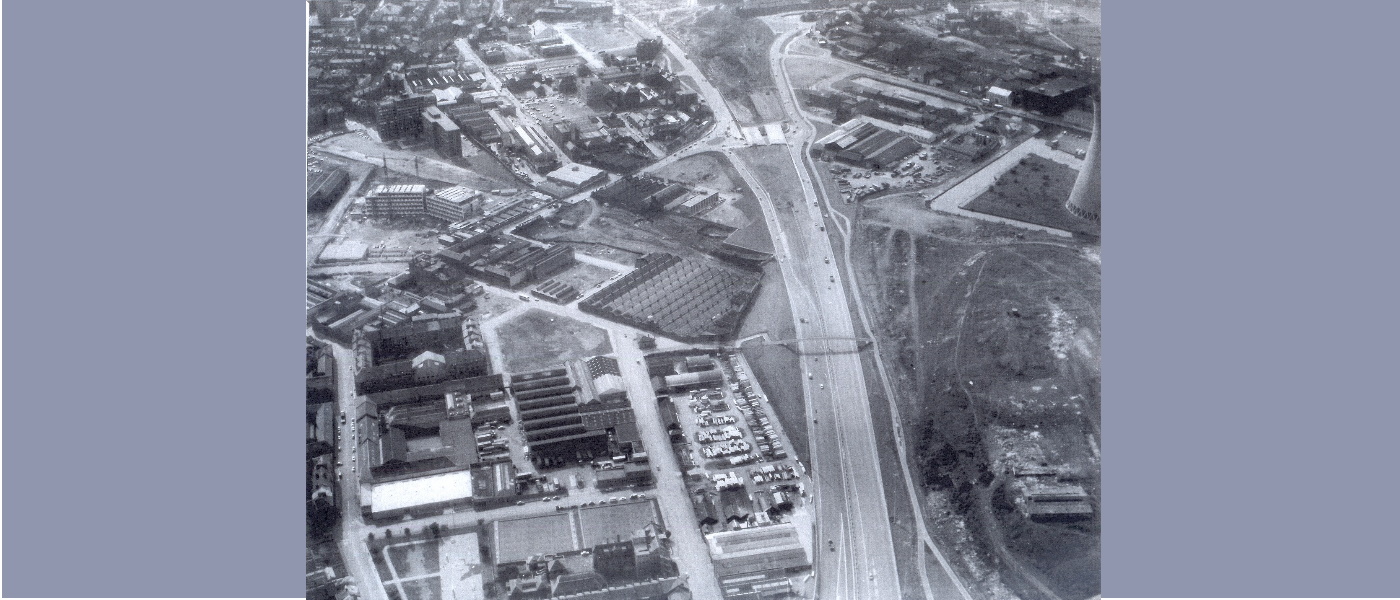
point(948, 582)
point(854, 556)
point(851, 515)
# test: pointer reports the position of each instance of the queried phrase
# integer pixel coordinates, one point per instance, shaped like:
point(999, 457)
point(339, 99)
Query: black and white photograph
point(703, 299)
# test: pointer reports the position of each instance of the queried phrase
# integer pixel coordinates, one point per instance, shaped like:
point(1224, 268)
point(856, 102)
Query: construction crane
point(384, 158)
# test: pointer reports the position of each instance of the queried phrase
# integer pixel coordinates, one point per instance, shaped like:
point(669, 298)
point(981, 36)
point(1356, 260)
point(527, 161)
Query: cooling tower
point(1084, 197)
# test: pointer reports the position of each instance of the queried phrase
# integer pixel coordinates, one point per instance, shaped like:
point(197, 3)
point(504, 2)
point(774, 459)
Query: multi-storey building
point(457, 203)
point(389, 201)
point(401, 117)
point(445, 134)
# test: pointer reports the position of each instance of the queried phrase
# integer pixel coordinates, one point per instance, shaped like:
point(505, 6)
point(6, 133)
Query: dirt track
point(995, 342)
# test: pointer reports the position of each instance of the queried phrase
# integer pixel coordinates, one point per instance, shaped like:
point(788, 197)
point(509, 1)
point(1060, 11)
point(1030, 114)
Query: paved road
point(689, 550)
point(353, 528)
point(855, 431)
point(850, 509)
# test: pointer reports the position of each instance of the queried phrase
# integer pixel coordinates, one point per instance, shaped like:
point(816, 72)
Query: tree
point(321, 518)
point(648, 49)
point(568, 85)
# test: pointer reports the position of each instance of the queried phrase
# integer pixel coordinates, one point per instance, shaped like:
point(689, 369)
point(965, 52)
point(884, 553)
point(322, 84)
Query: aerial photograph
point(702, 299)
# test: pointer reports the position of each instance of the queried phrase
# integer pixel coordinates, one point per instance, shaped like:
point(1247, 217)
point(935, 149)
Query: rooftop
point(1057, 86)
point(408, 493)
point(402, 188)
point(748, 542)
point(575, 174)
point(457, 194)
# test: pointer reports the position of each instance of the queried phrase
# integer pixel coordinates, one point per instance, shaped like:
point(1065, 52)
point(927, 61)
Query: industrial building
point(548, 405)
point(577, 176)
point(973, 145)
point(417, 496)
point(476, 121)
point(869, 143)
point(684, 299)
point(556, 291)
point(639, 193)
point(1049, 503)
point(324, 187)
point(419, 352)
point(508, 262)
point(572, 414)
point(688, 381)
point(775, 549)
point(1056, 96)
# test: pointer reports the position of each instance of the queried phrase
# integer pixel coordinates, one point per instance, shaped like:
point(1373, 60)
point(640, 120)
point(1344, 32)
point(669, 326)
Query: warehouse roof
point(432, 489)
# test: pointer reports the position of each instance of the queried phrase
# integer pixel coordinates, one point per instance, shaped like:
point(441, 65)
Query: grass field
point(1033, 191)
point(708, 169)
point(773, 164)
point(806, 74)
point(776, 367)
point(427, 588)
point(414, 559)
point(598, 37)
point(537, 340)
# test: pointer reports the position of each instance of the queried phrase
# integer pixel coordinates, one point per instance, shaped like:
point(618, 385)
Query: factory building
point(1055, 96)
point(869, 143)
point(775, 549)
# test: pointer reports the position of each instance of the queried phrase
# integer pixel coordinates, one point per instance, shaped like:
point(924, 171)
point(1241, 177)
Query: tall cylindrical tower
point(1084, 199)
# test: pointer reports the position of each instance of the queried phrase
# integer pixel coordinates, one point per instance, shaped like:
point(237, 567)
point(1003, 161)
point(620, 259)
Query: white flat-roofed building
point(577, 175)
point(419, 495)
point(457, 203)
point(999, 95)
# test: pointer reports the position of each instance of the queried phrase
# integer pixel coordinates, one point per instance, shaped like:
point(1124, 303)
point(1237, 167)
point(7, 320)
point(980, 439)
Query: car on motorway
point(809, 376)
point(827, 260)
